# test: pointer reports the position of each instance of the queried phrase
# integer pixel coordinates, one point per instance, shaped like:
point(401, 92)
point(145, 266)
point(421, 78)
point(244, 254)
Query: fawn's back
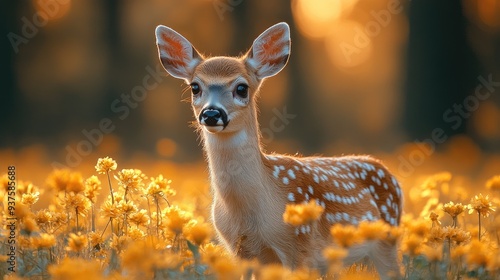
point(351, 188)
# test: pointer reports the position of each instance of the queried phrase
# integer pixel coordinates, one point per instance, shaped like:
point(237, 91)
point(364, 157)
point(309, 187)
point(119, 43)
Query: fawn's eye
point(242, 90)
point(195, 88)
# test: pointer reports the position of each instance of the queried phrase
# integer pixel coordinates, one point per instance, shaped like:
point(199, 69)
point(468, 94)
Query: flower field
point(124, 223)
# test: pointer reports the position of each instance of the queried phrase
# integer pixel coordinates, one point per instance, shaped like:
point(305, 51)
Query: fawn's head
point(224, 88)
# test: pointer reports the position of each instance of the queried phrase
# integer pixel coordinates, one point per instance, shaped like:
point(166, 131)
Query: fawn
point(251, 188)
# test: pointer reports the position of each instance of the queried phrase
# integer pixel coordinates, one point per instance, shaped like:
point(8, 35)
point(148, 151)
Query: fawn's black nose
point(213, 117)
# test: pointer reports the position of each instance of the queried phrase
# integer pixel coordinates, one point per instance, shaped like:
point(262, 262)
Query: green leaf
point(194, 249)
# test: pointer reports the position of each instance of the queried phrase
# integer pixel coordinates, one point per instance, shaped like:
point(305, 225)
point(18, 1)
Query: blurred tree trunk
point(242, 25)
point(11, 115)
point(309, 135)
point(442, 70)
point(111, 10)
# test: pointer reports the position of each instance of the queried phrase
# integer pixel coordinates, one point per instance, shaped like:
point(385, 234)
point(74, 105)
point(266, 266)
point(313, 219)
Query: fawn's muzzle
point(213, 117)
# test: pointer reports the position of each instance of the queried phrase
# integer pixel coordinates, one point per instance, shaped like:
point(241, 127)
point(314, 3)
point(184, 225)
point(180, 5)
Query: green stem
point(112, 199)
point(125, 224)
point(76, 210)
point(433, 265)
point(149, 225)
point(110, 219)
point(479, 233)
point(110, 188)
point(93, 218)
point(408, 267)
point(158, 215)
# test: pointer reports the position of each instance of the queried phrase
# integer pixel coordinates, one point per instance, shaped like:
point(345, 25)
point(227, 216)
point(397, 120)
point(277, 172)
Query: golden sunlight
point(313, 15)
point(348, 45)
point(166, 147)
point(51, 10)
point(488, 12)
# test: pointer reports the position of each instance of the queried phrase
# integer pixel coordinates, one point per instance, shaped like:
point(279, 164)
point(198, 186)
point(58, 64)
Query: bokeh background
point(365, 76)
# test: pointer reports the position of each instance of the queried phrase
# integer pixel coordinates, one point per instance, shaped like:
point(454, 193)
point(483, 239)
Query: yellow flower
point(30, 198)
point(457, 235)
point(22, 211)
point(76, 242)
point(26, 188)
point(197, 232)
point(109, 210)
point(395, 234)
point(419, 227)
point(75, 183)
point(274, 272)
point(494, 263)
point(118, 195)
point(227, 269)
point(43, 217)
point(59, 218)
point(130, 179)
point(345, 235)
point(411, 244)
point(92, 188)
point(220, 262)
point(453, 209)
point(334, 255)
point(176, 219)
point(160, 185)
point(95, 239)
point(355, 273)
point(127, 207)
point(458, 252)
point(135, 233)
point(436, 235)
point(139, 218)
point(434, 218)
point(65, 180)
point(104, 165)
point(211, 252)
point(304, 274)
point(77, 202)
point(301, 214)
point(436, 180)
point(377, 230)
point(433, 254)
point(478, 254)
point(407, 219)
point(44, 241)
point(167, 260)
point(58, 179)
point(140, 257)
point(29, 225)
point(76, 269)
point(482, 205)
point(493, 183)
point(119, 243)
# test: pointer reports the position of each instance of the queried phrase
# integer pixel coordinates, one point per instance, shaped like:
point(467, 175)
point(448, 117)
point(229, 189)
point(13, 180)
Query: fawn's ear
point(176, 53)
point(270, 51)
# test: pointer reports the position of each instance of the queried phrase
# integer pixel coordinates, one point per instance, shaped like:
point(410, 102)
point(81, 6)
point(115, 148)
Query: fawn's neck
point(236, 165)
